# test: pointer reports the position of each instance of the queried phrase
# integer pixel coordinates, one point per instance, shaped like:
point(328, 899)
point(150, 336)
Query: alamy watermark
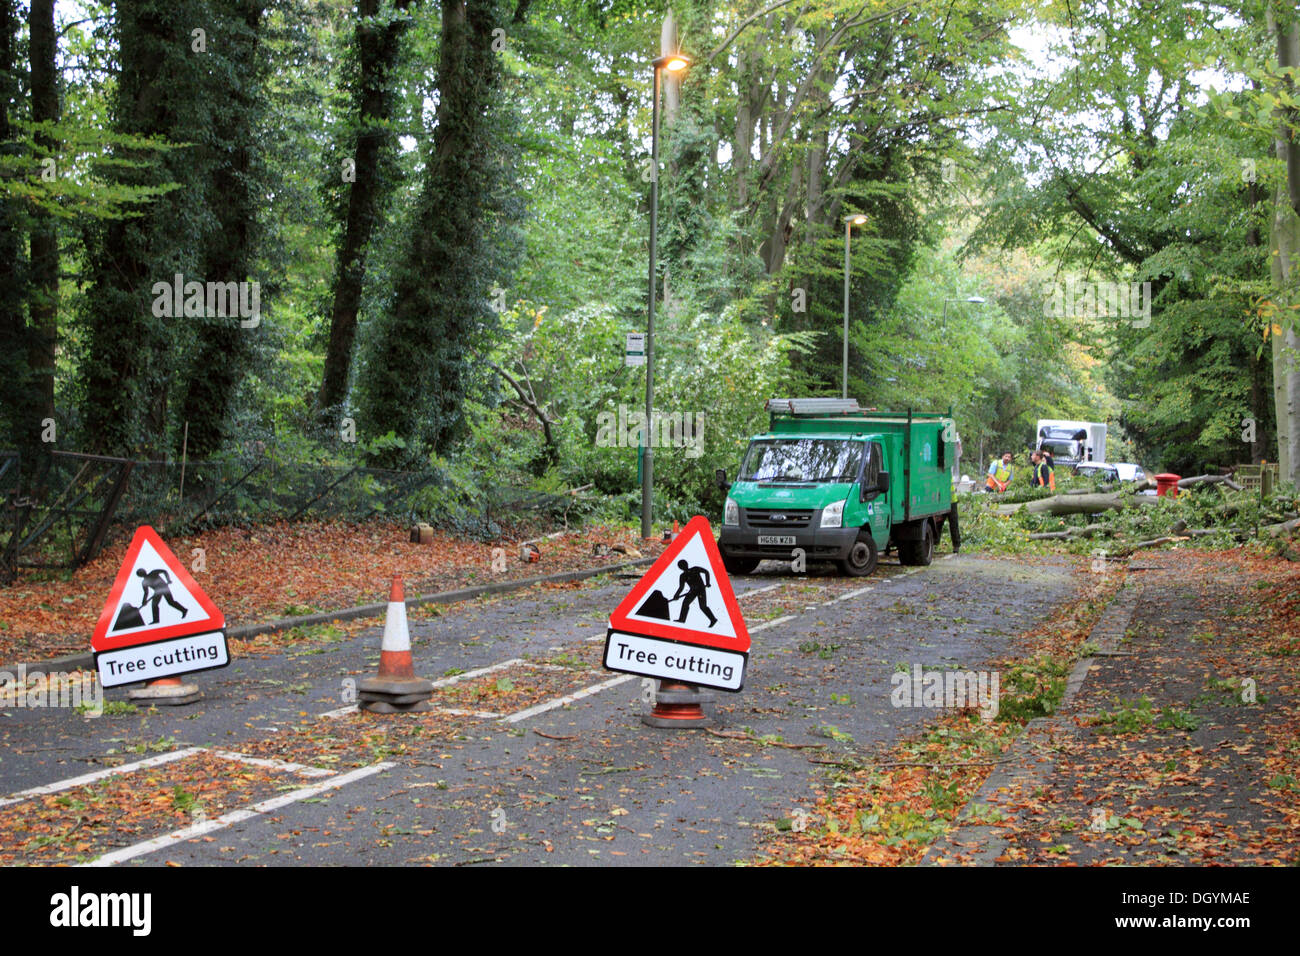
point(627, 429)
point(1099, 300)
point(957, 690)
point(195, 300)
point(66, 689)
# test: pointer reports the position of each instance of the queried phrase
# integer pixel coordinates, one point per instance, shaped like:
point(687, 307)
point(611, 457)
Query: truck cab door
point(875, 501)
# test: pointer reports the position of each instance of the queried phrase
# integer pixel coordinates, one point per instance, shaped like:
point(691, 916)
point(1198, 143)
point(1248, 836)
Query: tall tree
point(1284, 29)
point(19, 418)
point(45, 241)
point(190, 72)
point(128, 360)
point(222, 348)
point(370, 171)
point(421, 362)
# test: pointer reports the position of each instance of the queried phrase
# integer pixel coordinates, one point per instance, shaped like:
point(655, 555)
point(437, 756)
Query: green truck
point(832, 481)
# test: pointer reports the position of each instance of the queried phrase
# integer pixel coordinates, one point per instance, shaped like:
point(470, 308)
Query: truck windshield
point(1059, 447)
point(802, 459)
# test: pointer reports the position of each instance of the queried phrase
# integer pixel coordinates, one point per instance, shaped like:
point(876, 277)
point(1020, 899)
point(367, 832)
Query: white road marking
point(766, 624)
point(848, 597)
point(272, 764)
point(84, 779)
point(73, 782)
point(237, 816)
point(341, 712)
point(586, 692)
point(567, 699)
point(452, 712)
point(470, 675)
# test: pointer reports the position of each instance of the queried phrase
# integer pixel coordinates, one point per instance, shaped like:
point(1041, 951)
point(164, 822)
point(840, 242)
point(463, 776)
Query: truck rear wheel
point(862, 558)
point(921, 551)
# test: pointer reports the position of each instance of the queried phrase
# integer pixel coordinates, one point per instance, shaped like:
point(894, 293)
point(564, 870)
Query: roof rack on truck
point(839, 407)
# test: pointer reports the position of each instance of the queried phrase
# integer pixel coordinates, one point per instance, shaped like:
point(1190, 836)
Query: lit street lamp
point(674, 63)
point(849, 223)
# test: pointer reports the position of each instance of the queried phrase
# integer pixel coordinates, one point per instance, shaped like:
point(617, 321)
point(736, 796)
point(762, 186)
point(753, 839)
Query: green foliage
point(1141, 715)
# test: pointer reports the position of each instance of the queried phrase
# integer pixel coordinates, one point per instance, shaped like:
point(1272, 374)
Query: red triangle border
point(216, 621)
point(620, 621)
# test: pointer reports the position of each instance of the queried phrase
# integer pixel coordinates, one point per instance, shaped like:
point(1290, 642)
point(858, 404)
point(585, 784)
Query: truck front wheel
point(739, 565)
point(862, 557)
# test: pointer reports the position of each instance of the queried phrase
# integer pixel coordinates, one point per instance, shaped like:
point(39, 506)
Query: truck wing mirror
point(882, 482)
point(720, 477)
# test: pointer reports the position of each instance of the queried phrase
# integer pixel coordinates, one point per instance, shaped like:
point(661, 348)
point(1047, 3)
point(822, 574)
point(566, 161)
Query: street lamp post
point(674, 63)
point(849, 223)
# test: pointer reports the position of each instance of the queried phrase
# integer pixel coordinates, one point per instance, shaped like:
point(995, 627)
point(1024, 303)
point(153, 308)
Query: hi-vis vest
point(1003, 473)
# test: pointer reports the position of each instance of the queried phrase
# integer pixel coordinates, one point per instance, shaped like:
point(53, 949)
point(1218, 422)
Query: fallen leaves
point(283, 570)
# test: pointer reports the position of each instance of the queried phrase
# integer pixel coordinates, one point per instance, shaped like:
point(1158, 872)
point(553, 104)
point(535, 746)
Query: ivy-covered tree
point(421, 362)
point(189, 73)
point(222, 346)
point(19, 417)
point(366, 171)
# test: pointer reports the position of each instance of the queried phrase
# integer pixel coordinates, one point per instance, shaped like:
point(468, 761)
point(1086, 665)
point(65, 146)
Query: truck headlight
point(833, 515)
point(730, 512)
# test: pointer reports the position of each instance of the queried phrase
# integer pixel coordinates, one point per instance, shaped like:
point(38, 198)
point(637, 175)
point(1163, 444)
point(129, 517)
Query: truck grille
point(771, 519)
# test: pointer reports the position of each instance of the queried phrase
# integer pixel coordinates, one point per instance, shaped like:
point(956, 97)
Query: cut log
point(1153, 543)
point(1087, 504)
point(1087, 532)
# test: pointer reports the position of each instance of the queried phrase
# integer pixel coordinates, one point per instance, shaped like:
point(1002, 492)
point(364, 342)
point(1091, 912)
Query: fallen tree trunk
point(1087, 532)
point(1285, 527)
point(1153, 543)
point(1209, 480)
point(1079, 504)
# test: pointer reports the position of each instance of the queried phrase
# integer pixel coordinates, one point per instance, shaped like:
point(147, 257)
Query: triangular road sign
point(686, 596)
point(154, 598)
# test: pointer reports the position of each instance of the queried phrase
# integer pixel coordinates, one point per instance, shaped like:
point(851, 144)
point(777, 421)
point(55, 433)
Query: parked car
point(1133, 472)
point(1098, 470)
point(1129, 471)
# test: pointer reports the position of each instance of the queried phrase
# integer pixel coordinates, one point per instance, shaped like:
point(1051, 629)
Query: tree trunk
point(377, 50)
point(44, 290)
point(18, 415)
point(1286, 246)
point(224, 344)
point(1079, 504)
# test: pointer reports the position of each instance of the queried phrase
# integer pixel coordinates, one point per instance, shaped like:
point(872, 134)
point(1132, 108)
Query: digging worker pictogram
point(696, 582)
point(159, 582)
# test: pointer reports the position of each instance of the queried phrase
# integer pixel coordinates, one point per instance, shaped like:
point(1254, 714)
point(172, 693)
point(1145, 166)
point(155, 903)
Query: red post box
point(1167, 484)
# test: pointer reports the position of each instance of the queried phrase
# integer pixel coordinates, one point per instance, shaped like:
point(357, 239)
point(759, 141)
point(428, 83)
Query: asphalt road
point(579, 783)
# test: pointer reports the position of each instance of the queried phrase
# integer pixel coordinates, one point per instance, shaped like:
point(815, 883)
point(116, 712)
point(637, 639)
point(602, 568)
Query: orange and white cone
point(165, 691)
point(396, 689)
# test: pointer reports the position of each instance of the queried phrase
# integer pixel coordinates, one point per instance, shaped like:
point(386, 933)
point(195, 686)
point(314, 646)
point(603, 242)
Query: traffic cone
point(396, 689)
point(678, 705)
point(165, 692)
point(672, 535)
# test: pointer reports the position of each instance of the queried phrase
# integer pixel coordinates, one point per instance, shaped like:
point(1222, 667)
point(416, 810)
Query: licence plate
point(776, 539)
